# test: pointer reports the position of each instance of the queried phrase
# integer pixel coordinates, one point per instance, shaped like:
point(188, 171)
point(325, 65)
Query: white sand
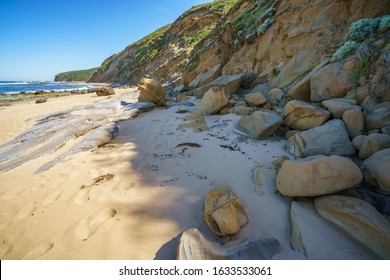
point(157, 191)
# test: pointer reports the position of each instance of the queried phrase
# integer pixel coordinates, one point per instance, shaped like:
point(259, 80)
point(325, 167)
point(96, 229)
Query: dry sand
point(149, 190)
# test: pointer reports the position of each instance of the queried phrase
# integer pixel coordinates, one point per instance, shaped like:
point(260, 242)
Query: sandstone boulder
point(329, 139)
point(151, 91)
point(318, 175)
point(242, 110)
point(105, 91)
point(354, 122)
point(275, 95)
point(301, 115)
point(374, 143)
point(255, 99)
point(212, 102)
point(206, 77)
point(360, 219)
point(331, 81)
point(377, 116)
point(376, 170)
point(338, 106)
point(259, 125)
point(224, 213)
point(228, 83)
point(358, 141)
point(301, 90)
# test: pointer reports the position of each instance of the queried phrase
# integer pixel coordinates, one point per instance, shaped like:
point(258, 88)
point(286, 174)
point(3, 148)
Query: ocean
point(12, 87)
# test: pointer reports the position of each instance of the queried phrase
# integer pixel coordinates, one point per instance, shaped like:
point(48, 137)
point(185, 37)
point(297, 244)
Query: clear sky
point(40, 38)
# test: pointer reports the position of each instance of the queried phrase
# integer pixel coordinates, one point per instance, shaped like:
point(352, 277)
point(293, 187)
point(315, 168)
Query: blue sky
point(40, 38)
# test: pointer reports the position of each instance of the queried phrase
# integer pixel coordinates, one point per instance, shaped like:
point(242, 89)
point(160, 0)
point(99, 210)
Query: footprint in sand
point(82, 196)
point(27, 210)
point(88, 226)
point(39, 251)
point(51, 198)
point(123, 188)
point(5, 248)
point(11, 193)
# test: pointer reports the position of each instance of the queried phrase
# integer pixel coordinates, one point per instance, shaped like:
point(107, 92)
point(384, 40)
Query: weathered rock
point(385, 130)
point(301, 115)
point(331, 81)
point(370, 101)
point(358, 141)
point(242, 110)
point(151, 91)
point(228, 83)
point(354, 122)
point(259, 125)
point(181, 98)
point(301, 90)
point(360, 219)
point(373, 143)
point(376, 170)
point(105, 91)
point(224, 212)
point(255, 99)
point(206, 77)
point(212, 102)
point(196, 121)
point(338, 106)
point(41, 100)
point(318, 175)
point(377, 116)
point(275, 95)
point(194, 246)
point(321, 140)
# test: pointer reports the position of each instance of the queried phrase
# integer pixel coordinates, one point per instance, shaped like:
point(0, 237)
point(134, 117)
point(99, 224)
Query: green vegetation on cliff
point(76, 76)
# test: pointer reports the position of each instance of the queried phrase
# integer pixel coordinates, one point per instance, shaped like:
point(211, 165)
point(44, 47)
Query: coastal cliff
point(75, 76)
point(273, 40)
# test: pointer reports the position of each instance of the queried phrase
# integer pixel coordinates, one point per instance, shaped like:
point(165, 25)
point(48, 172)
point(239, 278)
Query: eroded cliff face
point(275, 40)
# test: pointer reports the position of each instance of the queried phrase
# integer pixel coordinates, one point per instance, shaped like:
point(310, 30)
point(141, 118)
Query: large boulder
point(358, 218)
point(151, 91)
point(255, 99)
point(229, 84)
point(354, 122)
point(206, 77)
point(212, 102)
point(329, 139)
point(318, 175)
point(376, 170)
point(301, 115)
point(301, 90)
point(373, 143)
point(338, 106)
point(331, 81)
point(377, 116)
point(259, 125)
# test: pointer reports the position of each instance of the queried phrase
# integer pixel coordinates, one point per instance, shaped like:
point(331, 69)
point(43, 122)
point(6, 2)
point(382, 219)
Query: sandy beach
point(133, 197)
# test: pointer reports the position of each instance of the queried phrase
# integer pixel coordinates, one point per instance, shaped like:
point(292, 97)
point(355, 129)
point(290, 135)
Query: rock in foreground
point(360, 219)
point(317, 176)
point(151, 91)
point(259, 125)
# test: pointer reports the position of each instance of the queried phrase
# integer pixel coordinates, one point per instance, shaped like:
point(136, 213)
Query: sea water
point(12, 87)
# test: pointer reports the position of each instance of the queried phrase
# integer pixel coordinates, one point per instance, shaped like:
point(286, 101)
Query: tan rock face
point(255, 99)
point(317, 176)
point(376, 170)
point(259, 125)
point(354, 122)
point(151, 91)
point(301, 115)
point(322, 140)
point(339, 105)
point(206, 77)
point(224, 213)
point(374, 143)
point(331, 81)
point(212, 102)
point(360, 219)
